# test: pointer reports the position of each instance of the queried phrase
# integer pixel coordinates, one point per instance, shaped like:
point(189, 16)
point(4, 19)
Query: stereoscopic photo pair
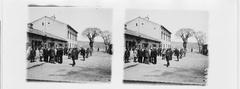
point(70, 44)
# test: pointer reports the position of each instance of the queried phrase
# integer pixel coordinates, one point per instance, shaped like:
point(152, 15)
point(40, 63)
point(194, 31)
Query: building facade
point(57, 28)
point(37, 39)
point(143, 32)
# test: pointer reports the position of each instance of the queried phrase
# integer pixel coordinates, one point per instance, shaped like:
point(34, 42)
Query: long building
point(145, 33)
point(57, 28)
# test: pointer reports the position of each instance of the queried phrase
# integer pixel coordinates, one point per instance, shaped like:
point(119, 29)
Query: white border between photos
point(222, 42)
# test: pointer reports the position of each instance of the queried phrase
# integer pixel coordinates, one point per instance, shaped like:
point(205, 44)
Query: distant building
point(145, 33)
point(52, 26)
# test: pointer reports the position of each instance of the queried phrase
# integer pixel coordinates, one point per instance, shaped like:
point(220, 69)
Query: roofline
point(72, 28)
point(132, 20)
point(62, 39)
point(56, 21)
point(148, 21)
point(165, 29)
point(143, 38)
point(153, 39)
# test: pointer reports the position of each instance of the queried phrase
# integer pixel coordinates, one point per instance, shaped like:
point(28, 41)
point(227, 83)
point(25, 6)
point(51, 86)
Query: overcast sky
point(78, 18)
point(174, 20)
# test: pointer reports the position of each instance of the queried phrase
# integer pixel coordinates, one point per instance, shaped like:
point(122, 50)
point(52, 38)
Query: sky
point(173, 20)
point(78, 18)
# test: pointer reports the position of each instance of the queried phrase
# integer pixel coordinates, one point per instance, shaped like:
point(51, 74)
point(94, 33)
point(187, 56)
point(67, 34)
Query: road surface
point(189, 70)
point(95, 68)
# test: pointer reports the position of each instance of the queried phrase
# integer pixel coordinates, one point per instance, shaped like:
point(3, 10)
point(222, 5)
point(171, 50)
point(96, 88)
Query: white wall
point(51, 26)
point(147, 28)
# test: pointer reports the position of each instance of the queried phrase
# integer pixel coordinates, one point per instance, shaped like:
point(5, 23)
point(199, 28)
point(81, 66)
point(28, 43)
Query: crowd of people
point(55, 54)
point(149, 54)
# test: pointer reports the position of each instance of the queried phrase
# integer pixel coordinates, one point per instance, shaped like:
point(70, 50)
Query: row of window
point(165, 36)
point(72, 36)
point(166, 46)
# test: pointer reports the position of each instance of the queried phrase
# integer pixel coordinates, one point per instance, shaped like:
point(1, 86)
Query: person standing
point(139, 54)
point(52, 55)
point(163, 54)
point(87, 52)
point(146, 56)
point(32, 55)
point(45, 54)
point(41, 54)
point(168, 56)
point(181, 53)
point(29, 52)
point(60, 55)
point(135, 55)
point(154, 55)
point(83, 53)
point(126, 55)
point(74, 54)
point(176, 53)
point(150, 55)
point(55, 56)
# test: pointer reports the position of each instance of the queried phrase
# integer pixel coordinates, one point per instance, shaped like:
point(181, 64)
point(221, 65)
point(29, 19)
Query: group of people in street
point(74, 54)
point(149, 54)
point(55, 54)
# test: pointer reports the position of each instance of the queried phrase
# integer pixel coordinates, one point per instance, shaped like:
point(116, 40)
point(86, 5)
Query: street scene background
point(166, 47)
point(69, 44)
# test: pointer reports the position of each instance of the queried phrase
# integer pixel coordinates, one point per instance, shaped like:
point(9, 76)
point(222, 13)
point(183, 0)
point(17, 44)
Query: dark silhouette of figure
point(168, 56)
point(83, 53)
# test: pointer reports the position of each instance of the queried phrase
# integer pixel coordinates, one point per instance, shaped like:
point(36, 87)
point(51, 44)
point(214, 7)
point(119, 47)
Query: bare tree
point(107, 37)
point(201, 39)
point(185, 33)
point(91, 33)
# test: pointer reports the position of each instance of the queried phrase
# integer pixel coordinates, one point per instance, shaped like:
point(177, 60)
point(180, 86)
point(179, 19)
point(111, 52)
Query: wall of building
point(145, 27)
point(151, 29)
point(48, 25)
point(71, 38)
point(56, 28)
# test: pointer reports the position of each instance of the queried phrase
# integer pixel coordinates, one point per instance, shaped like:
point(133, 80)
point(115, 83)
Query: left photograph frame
point(69, 44)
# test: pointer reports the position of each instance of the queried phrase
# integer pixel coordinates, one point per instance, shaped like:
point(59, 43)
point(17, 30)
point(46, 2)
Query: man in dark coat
point(126, 55)
point(176, 53)
point(52, 55)
point(159, 51)
point(45, 54)
point(146, 56)
point(154, 56)
point(32, 55)
point(74, 54)
point(60, 55)
point(168, 56)
point(139, 55)
point(65, 50)
point(87, 52)
point(83, 53)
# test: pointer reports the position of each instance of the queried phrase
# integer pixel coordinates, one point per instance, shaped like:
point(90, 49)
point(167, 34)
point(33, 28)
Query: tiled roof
point(137, 34)
point(49, 35)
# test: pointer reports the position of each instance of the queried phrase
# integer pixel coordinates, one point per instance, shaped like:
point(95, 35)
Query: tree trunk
point(91, 45)
point(185, 45)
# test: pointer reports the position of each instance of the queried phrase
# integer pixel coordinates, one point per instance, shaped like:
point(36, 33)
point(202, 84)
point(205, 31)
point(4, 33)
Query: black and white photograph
point(166, 47)
point(69, 44)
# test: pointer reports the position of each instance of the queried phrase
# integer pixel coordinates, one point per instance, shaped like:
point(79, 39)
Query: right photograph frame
point(167, 47)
